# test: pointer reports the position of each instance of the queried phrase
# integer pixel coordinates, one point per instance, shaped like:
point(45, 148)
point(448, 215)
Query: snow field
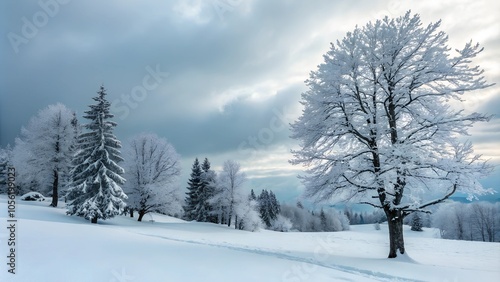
point(52, 246)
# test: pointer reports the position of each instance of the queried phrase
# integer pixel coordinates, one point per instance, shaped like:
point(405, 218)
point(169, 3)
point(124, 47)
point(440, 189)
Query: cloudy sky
point(218, 78)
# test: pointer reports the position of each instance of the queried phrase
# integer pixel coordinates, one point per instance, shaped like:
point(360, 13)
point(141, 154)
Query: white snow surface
point(51, 246)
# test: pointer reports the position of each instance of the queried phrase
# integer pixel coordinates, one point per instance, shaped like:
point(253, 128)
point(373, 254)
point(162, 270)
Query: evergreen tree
point(207, 192)
point(95, 191)
point(323, 219)
point(264, 207)
point(192, 199)
point(416, 222)
point(269, 207)
point(274, 205)
point(252, 196)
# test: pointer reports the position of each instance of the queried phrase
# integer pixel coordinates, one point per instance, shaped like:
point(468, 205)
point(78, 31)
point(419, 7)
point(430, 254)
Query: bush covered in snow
point(33, 196)
point(281, 224)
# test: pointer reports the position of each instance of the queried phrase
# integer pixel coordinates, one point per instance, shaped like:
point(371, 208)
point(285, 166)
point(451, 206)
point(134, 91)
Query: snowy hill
point(52, 246)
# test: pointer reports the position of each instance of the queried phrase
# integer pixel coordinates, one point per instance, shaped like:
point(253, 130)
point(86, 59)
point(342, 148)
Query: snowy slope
point(56, 247)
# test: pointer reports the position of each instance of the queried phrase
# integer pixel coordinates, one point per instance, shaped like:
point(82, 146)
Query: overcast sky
point(219, 79)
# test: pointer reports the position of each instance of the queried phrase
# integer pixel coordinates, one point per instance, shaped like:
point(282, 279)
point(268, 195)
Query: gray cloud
point(227, 73)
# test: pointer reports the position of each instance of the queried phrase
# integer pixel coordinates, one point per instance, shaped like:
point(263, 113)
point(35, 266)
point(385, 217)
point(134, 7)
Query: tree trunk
point(141, 215)
point(236, 222)
point(55, 184)
point(396, 241)
point(131, 212)
point(230, 215)
point(94, 219)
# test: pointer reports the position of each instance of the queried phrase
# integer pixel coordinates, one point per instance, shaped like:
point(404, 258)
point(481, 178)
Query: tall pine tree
point(208, 179)
point(95, 191)
point(192, 199)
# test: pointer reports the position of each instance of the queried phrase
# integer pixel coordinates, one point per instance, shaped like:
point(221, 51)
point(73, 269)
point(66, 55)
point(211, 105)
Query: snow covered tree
point(264, 207)
point(416, 222)
point(376, 126)
point(192, 198)
point(252, 195)
point(228, 193)
point(152, 170)
point(269, 207)
point(5, 162)
point(246, 213)
point(485, 220)
point(207, 190)
point(43, 153)
point(282, 224)
point(95, 191)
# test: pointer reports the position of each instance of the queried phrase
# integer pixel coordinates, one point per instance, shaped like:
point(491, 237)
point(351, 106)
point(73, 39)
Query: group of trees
point(220, 198)
point(57, 156)
point(309, 221)
point(269, 207)
point(478, 221)
point(376, 128)
point(364, 217)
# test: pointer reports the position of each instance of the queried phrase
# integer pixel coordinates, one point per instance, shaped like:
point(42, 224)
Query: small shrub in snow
point(33, 196)
point(248, 215)
point(281, 224)
point(416, 222)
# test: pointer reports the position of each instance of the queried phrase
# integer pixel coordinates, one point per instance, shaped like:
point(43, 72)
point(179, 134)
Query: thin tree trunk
point(396, 241)
point(55, 184)
point(131, 212)
point(229, 217)
point(236, 222)
point(94, 220)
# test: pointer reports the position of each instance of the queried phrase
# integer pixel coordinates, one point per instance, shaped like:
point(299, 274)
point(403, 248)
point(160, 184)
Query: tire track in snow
point(347, 269)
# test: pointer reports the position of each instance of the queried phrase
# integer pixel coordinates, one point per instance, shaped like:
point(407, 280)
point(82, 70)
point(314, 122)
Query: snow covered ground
point(54, 247)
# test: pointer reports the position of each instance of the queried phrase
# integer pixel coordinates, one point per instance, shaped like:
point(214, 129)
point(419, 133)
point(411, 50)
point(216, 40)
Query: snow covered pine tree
point(376, 127)
point(192, 195)
point(95, 191)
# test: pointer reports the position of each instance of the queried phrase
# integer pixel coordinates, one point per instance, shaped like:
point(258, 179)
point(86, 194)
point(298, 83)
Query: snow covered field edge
point(51, 246)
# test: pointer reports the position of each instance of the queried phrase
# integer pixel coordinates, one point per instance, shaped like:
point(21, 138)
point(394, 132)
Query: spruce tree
point(95, 191)
point(264, 204)
point(192, 199)
point(416, 222)
point(274, 205)
point(324, 220)
point(208, 212)
point(252, 196)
